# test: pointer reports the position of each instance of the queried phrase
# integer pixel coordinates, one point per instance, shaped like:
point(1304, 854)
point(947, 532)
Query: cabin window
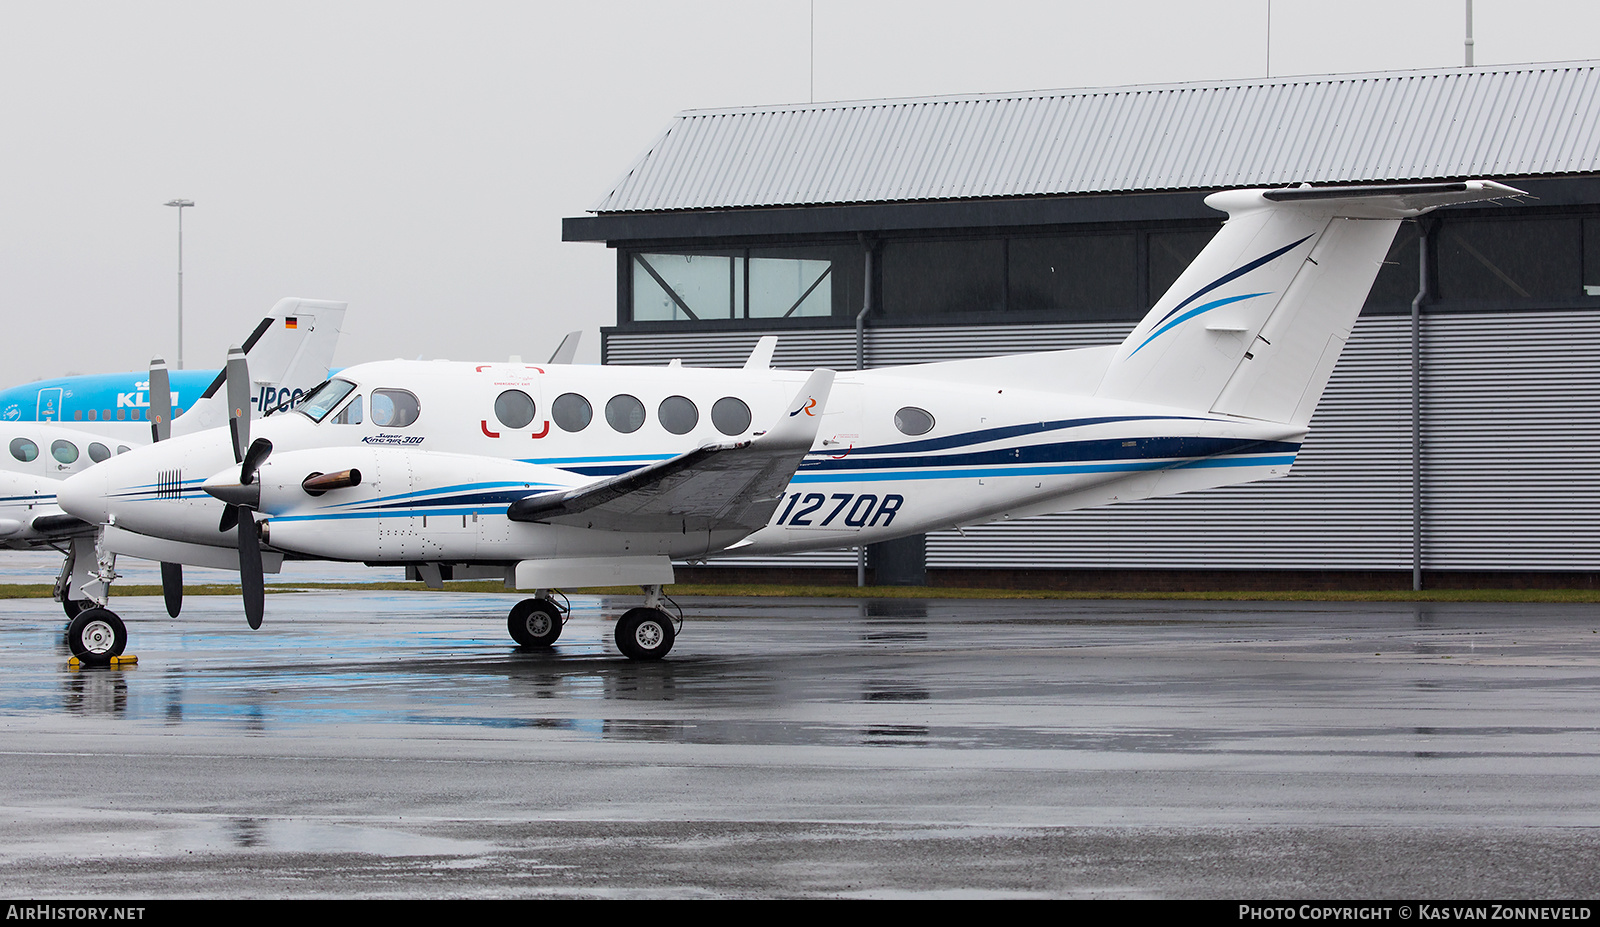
point(94, 414)
point(77, 415)
point(64, 451)
point(913, 421)
point(395, 408)
point(678, 415)
point(24, 449)
point(625, 413)
point(514, 408)
point(730, 415)
point(352, 413)
point(123, 449)
point(324, 398)
point(571, 412)
point(98, 451)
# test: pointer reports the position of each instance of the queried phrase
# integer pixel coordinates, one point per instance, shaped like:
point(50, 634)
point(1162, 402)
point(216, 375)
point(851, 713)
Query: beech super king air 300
point(557, 476)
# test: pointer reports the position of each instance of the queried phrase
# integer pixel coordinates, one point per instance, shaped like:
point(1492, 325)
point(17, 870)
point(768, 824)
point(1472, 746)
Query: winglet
point(761, 356)
point(567, 349)
point(797, 425)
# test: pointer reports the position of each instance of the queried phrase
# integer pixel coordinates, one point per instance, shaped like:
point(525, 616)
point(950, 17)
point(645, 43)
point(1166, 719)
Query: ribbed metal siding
point(1512, 450)
point(1495, 122)
point(1512, 430)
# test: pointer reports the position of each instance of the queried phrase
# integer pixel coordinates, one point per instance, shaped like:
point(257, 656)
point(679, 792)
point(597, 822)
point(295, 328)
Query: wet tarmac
point(370, 744)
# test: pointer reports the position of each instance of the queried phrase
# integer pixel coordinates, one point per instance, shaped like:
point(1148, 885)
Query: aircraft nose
point(83, 495)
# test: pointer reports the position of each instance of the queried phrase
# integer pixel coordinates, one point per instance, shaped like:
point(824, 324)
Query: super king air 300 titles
point(557, 476)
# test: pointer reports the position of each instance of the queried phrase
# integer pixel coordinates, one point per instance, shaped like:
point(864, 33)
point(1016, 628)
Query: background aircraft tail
point(288, 353)
point(1254, 326)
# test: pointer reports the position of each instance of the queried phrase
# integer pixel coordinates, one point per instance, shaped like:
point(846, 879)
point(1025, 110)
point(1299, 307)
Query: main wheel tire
point(645, 634)
point(534, 623)
point(95, 636)
point(74, 607)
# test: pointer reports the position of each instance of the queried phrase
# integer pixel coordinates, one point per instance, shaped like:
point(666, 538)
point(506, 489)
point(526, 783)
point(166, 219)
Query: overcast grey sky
point(416, 158)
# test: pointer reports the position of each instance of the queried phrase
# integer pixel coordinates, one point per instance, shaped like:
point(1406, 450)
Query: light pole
point(180, 204)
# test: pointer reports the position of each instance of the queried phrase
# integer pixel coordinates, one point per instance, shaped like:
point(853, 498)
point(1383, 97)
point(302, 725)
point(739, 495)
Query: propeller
point(160, 391)
point(238, 374)
point(160, 401)
point(245, 497)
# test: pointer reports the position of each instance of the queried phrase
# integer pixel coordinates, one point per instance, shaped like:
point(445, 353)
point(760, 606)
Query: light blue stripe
point(873, 477)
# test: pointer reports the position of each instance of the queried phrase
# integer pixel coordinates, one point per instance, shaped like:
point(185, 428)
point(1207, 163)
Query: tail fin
point(1254, 326)
point(289, 353)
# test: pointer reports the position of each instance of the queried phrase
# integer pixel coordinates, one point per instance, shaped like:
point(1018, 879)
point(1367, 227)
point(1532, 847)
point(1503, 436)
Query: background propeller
point(160, 392)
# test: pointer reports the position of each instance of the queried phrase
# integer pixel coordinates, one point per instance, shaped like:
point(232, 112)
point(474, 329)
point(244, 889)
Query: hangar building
point(979, 225)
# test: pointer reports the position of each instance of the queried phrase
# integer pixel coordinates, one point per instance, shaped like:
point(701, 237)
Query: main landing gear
point(645, 633)
point(536, 623)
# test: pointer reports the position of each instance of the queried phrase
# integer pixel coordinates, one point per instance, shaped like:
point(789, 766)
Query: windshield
point(319, 402)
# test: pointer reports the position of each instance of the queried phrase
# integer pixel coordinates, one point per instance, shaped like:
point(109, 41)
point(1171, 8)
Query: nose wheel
point(96, 635)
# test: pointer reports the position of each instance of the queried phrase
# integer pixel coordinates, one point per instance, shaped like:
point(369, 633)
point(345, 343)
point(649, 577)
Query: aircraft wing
point(718, 487)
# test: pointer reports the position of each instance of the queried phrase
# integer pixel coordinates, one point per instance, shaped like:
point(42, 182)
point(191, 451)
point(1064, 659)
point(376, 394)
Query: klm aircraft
point(125, 397)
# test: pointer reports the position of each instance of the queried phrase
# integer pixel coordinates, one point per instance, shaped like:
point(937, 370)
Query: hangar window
point(913, 421)
point(24, 449)
point(571, 412)
point(792, 282)
point(1087, 276)
point(939, 278)
point(730, 415)
point(625, 413)
point(1514, 260)
point(678, 415)
point(395, 408)
point(514, 408)
point(64, 451)
point(98, 451)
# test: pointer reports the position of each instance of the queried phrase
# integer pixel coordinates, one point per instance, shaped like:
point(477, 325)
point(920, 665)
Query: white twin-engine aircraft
point(564, 476)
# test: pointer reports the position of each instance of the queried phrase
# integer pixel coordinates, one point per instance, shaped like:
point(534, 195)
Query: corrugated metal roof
point(1394, 125)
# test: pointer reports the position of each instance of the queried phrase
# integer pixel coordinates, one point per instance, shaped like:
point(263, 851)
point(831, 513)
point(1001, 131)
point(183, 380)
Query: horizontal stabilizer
point(1254, 326)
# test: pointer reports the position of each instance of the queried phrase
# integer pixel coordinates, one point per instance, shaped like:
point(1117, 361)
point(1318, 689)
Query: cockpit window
point(351, 414)
point(394, 408)
point(320, 401)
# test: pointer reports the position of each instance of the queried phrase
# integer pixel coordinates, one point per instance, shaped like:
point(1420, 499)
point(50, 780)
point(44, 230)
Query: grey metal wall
point(1511, 427)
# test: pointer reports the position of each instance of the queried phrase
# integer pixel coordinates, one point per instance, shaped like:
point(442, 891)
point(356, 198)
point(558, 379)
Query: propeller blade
point(229, 520)
point(260, 450)
point(172, 587)
point(250, 578)
point(160, 401)
point(238, 375)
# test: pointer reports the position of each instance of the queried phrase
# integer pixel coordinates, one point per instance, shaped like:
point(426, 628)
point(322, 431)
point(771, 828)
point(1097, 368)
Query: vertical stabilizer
point(1254, 326)
point(289, 353)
